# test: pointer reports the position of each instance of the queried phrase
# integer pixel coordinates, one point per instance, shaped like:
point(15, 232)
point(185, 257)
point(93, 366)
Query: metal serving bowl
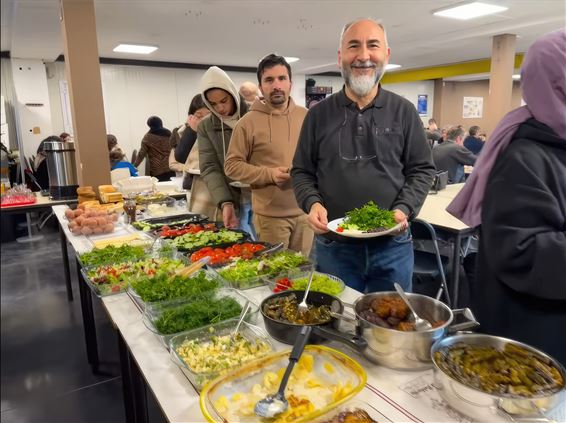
point(481, 405)
point(408, 350)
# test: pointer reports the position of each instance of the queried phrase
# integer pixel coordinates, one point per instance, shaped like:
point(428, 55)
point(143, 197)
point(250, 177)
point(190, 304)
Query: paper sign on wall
point(473, 108)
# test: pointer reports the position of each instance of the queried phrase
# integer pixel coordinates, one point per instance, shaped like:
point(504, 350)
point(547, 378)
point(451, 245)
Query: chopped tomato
point(339, 229)
point(283, 284)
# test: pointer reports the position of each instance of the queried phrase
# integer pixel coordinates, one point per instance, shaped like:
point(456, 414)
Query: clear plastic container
point(352, 406)
point(260, 280)
point(154, 306)
point(152, 314)
point(203, 335)
point(231, 397)
point(301, 273)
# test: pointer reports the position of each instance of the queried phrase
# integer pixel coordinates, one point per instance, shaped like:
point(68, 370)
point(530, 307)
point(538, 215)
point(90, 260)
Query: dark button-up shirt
point(347, 156)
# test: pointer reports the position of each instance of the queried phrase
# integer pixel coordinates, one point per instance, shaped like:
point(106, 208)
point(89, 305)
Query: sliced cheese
point(117, 241)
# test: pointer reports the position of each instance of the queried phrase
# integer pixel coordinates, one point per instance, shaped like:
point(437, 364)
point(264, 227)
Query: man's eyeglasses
point(361, 145)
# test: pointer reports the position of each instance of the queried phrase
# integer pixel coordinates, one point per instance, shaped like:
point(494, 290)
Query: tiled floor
point(45, 376)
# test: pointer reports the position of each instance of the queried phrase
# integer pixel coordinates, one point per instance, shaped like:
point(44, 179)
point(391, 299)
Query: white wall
point(408, 90)
point(133, 93)
point(411, 91)
point(30, 85)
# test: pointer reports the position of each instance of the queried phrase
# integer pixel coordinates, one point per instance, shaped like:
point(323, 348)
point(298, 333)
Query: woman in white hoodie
point(222, 98)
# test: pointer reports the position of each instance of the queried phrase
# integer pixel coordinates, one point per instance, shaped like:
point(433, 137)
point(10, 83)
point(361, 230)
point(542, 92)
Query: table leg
point(456, 269)
point(127, 389)
point(88, 321)
point(133, 386)
point(66, 268)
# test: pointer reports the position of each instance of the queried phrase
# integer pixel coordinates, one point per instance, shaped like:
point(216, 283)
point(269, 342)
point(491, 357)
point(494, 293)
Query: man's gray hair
point(455, 132)
point(355, 21)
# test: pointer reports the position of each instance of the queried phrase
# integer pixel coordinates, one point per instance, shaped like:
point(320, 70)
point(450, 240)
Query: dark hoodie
point(520, 291)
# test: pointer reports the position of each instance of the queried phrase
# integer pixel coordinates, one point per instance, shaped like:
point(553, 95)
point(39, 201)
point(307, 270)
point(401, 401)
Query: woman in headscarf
point(155, 145)
point(517, 193)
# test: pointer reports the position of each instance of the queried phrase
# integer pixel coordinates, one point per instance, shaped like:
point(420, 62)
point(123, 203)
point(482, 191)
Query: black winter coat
point(520, 289)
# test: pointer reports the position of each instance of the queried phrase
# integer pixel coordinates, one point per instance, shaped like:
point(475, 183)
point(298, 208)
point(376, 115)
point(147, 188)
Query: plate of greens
point(368, 221)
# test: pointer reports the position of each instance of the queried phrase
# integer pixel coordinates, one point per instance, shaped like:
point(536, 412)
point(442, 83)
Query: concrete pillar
point(437, 104)
point(82, 67)
point(500, 81)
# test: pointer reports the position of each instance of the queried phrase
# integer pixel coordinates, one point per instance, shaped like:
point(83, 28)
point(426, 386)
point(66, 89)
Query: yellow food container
point(323, 379)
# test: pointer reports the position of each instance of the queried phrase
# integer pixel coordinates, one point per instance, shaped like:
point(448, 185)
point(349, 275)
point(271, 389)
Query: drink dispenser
point(63, 182)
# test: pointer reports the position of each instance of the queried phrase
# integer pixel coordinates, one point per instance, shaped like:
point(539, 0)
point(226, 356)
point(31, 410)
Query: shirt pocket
point(389, 143)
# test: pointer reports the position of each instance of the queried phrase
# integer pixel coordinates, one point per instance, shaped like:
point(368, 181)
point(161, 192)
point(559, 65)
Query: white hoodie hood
point(215, 77)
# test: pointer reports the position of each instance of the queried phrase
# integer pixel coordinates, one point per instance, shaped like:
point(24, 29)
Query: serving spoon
point(420, 324)
point(275, 404)
point(303, 306)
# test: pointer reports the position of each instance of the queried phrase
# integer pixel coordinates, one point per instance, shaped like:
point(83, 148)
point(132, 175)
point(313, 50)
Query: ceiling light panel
point(469, 11)
point(391, 66)
point(135, 48)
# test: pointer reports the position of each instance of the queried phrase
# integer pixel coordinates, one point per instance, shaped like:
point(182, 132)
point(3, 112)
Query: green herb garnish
point(164, 286)
point(369, 218)
point(196, 314)
point(112, 254)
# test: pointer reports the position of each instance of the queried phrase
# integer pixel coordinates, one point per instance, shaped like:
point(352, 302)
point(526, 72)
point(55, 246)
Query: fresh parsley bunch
point(369, 218)
point(197, 314)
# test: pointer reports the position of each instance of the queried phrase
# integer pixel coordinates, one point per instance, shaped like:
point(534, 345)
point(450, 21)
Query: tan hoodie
point(266, 138)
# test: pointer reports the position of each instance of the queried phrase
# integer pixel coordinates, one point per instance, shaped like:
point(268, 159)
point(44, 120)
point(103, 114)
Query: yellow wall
point(444, 71)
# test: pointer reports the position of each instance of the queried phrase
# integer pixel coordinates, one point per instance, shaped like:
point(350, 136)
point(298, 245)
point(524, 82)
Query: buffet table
point(146, 366)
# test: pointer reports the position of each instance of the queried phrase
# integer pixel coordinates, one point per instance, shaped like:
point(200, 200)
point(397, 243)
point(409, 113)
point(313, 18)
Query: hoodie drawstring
point(223, 141)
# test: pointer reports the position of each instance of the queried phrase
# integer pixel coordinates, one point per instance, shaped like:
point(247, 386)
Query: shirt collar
point(377, 102)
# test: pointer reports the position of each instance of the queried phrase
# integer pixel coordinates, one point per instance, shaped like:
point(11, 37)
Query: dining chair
point(426, 262)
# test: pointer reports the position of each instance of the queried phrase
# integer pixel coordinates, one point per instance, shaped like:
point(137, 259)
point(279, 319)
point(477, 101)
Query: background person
point(221, 97)
point(184, 137)
point(473, 141)
point(363, 143)
point(451, 156)
point(250, 92)
point(155, 145)
point(118, 161)
point(517, 193)
point(112, 141)
point(261, 152)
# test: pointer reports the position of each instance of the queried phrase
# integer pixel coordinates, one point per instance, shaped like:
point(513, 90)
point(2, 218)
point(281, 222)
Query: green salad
point(165, 286)
point(368, 218)
point(196, 314)
point(145, 226)
point(114, 278)
point(112, 254)
point(320, 283)
point(241, 271)
point(190, 241)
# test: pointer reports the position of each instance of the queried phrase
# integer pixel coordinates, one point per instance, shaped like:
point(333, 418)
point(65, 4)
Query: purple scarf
point(543, 82)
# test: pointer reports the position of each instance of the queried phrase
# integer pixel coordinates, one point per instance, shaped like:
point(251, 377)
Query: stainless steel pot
point(397, 349)
point(483, 406)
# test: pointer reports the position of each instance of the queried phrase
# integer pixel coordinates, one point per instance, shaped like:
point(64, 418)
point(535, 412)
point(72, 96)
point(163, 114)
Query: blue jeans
point(369, 266)
point(246, 215)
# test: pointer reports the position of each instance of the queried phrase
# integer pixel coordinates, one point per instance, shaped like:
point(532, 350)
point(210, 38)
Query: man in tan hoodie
point(260, 154)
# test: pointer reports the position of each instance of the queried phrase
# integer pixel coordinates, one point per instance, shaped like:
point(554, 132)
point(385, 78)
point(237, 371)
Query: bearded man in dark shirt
point(363, 143)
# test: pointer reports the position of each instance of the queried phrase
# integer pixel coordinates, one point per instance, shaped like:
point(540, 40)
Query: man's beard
point(280, 100)
point(363, 84)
